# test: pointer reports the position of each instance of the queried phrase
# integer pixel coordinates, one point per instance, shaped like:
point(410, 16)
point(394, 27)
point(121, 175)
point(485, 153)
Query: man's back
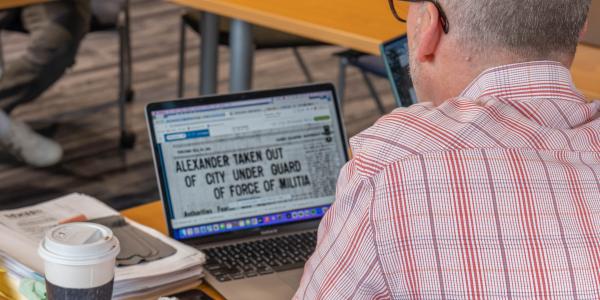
point(492, 194)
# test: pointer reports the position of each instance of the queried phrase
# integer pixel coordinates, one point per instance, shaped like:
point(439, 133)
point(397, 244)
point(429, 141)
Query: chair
point(264, 38)
point(110, 16)
point(366, 64)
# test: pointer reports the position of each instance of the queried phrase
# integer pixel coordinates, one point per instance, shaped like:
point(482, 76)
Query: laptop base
point(274, 286)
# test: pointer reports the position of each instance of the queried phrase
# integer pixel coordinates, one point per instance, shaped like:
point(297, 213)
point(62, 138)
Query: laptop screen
point(395, 57)
point(240, 165)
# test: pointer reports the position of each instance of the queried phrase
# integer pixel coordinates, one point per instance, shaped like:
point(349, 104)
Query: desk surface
point(359, 24)
point(586, 71)
point(4, 4)
point(151, 215)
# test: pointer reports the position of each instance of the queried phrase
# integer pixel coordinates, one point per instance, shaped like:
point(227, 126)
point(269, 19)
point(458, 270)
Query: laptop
point(395, 58)
point(246, 178)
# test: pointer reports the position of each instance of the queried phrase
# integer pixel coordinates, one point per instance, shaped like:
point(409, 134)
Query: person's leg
point(56, 29)
point(18, 140)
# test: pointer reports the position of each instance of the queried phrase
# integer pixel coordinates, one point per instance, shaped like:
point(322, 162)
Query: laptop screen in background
point(246, 164)
point(395, 57)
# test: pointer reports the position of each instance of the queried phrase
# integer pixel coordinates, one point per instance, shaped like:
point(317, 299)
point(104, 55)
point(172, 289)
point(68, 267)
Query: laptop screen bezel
point(228, 98)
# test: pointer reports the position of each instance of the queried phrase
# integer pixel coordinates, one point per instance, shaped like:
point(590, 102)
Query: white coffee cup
point(79, 261)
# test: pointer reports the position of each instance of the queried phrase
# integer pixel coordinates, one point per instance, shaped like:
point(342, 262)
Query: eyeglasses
point(400, 10)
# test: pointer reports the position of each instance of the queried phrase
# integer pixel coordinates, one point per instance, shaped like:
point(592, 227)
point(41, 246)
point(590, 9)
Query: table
point(4, 4)
point(359, 24)
point(152, 215)
point(586, 71)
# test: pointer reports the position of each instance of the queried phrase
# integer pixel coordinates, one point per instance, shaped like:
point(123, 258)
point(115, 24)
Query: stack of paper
point(23, 229)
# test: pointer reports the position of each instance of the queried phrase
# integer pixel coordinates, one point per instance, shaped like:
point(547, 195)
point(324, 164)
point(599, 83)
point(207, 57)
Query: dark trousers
point(56, 30)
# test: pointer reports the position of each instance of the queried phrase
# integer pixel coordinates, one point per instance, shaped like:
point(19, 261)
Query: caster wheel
point(129, 96)
point(127, 140)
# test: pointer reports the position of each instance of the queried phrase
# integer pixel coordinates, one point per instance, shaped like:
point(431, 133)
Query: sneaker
point(28, 146)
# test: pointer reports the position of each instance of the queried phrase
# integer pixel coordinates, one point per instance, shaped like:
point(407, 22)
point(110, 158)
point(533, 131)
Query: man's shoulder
point(459, 123)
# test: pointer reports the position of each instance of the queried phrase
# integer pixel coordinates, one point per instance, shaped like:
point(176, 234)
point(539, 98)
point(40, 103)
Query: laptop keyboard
point(261, 257)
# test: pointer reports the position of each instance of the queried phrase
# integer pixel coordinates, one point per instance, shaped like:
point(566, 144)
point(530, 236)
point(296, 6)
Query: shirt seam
point(373, 240)
point(417, 154)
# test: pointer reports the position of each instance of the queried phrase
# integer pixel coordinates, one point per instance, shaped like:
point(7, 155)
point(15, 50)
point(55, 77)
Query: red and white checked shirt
point(494, 194)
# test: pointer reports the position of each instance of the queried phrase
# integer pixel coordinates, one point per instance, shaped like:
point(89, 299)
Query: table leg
point(242, 56)
point(209, 53)
point(1, 56)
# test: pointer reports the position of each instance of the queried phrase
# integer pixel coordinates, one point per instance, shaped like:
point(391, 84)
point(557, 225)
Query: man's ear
point(584, 30)
point(430, 33)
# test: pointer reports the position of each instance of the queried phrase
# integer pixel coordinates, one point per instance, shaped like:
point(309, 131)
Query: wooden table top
point(586, 71)
point(4, 4)
point(152, 215)
point(359, 24)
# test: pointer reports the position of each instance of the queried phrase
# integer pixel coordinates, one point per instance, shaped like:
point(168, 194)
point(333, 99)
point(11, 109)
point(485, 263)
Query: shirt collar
point(525, 81)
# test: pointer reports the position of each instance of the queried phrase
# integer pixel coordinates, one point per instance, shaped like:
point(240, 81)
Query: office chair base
point(127, 140)
point(129, 96)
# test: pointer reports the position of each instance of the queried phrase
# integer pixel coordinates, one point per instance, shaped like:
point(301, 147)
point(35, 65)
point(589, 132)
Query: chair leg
point(130, 94)
point(1, 56)
point(373, 92)
point(181, 67)
point(302, 64)
point(342, 80)
point(127, 140)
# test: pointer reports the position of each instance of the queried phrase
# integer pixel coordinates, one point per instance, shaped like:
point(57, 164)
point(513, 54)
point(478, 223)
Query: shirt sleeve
point(345, 264)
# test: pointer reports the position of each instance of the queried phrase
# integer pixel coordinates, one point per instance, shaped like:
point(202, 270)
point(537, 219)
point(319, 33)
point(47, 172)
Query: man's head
point(484, 34)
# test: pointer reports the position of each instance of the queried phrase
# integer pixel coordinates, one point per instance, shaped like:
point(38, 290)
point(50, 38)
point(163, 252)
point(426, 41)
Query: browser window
point(253, 163)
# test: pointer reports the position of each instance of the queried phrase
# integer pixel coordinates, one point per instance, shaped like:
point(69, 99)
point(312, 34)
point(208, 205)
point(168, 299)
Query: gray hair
point(526, 28)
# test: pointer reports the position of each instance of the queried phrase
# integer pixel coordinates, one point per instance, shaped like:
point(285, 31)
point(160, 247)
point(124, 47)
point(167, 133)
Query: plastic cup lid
point(79, 244)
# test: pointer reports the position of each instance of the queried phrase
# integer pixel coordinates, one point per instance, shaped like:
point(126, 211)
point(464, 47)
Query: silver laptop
point(246, 178)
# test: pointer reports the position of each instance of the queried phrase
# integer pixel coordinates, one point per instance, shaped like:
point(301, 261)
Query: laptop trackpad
point(267, 287)
point(292, 278)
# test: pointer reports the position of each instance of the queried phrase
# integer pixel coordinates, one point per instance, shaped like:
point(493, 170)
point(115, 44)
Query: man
point(56, 28)
point(488, 189)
